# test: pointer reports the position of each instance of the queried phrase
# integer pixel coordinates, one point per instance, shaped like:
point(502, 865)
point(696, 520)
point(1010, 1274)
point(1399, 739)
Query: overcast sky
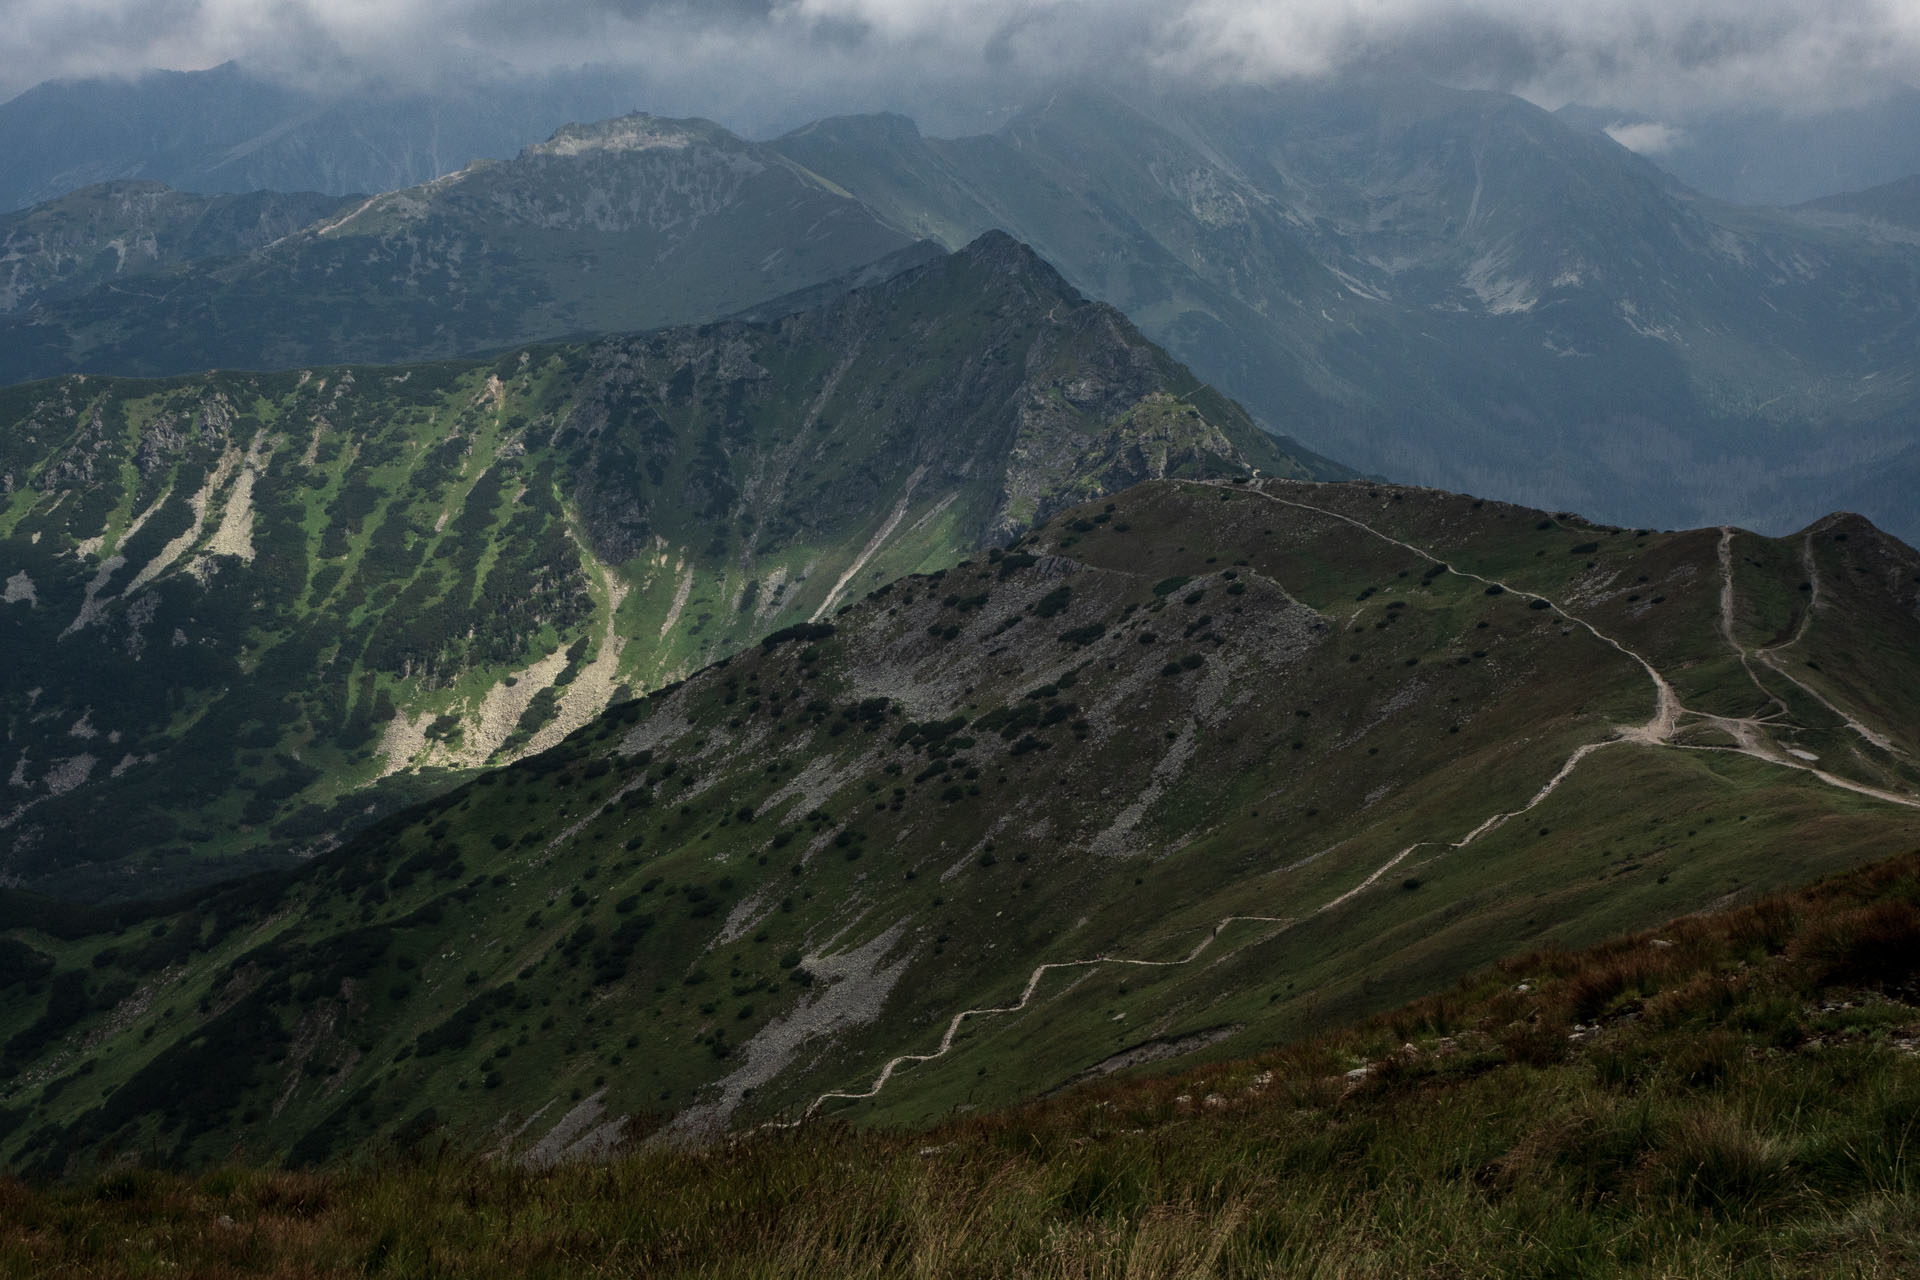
point(736, 58)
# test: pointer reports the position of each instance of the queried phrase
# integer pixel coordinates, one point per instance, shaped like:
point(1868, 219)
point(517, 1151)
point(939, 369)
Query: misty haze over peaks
point(761, 65)
point(1764, 102)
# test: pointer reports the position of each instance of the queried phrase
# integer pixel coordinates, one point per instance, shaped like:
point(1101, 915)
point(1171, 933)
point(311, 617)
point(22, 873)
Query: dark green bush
point(1053, 603)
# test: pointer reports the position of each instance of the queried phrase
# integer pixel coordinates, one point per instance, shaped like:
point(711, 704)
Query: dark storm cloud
point(786, 56)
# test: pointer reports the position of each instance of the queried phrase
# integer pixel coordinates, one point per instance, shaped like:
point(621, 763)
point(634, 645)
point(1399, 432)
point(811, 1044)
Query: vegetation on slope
point(1733, 1094)
point(249, 612)
point(632, 223)
point(118, 230)
point(1203, 767)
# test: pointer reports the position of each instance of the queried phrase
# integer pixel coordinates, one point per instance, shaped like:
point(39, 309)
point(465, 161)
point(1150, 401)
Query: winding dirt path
point(1026, 995)
point(1771, 654)
point(1667, 709)
point(1726, 619)
point(1284, 922)
point(1658, 731)
point(1831, 779)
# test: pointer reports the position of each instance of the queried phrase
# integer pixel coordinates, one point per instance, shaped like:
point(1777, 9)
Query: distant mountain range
point(229, 129)
point(1891, 211)
point(630, 224)
point(235, 129)
point(1456, 288)
point(1448, 287)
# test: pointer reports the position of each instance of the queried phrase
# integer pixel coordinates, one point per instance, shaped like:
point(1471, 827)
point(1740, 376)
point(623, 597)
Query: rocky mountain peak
point(999, 250)
point(635, 132)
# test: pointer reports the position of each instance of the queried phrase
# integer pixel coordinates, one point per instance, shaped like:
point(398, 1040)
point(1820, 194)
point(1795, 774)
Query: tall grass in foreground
point(1735, 1095)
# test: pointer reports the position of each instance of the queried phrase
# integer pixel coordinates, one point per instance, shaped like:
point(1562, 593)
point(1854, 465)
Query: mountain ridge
point(62, 247)
point(594, 233)
point(1892, 205)
point(480, 556)
point(1293, 715)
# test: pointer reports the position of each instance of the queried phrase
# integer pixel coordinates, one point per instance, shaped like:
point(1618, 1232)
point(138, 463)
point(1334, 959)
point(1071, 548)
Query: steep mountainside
point(1199, 767)
point(228, 129)
point(242, 610)
point(1454, 287)
point(628, 224)
point(116, 230)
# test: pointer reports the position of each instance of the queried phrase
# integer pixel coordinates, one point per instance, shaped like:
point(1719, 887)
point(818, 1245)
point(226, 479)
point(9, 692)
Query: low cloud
point(1648, 137)
point(775, 57)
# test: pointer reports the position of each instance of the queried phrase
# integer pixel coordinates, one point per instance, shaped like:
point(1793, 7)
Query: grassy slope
point(622, 926)
point(432, 546)
point(1729, 1094)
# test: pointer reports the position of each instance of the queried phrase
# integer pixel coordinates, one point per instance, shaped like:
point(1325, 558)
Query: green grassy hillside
point(247, 613)
point(1192, 770)
point(1730, 1094)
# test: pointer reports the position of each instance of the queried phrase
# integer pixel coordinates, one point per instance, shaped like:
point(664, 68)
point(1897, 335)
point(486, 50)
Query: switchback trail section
point(1659, 731)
